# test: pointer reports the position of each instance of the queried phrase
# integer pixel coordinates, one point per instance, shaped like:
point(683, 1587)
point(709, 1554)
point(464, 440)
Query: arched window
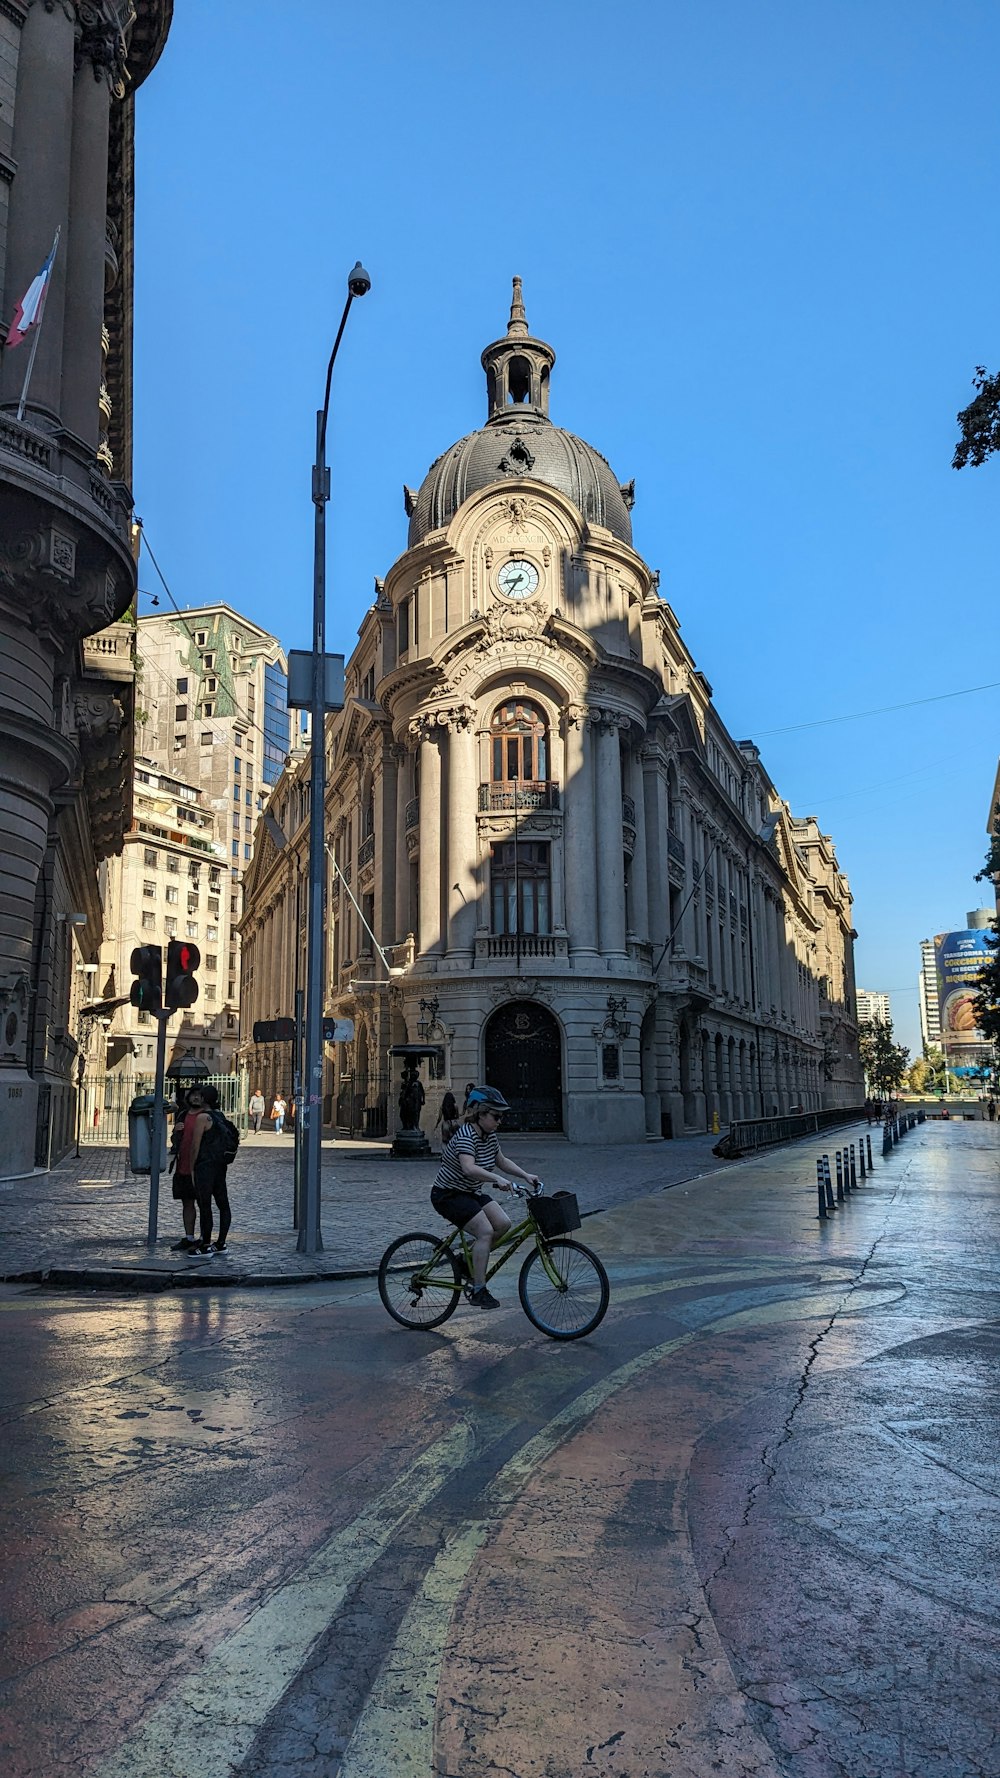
point(519, 744)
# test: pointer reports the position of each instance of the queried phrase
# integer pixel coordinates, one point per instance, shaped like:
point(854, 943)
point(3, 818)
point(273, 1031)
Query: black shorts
point(184, 1186)
point(457, 1206)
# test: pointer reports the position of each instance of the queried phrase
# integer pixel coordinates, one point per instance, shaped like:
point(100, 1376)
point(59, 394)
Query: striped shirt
point(468, 1139)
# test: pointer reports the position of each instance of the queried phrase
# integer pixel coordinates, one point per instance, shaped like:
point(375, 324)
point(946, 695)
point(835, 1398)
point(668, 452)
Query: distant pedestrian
point(448, 1118)
point(278, 1111)
point(991, 1110)
point(256, 1109)
point(869, 1111)
point(470, 1087)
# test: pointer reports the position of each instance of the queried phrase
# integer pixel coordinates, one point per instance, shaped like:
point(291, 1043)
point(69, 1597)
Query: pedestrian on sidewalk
point(448, 1117)
point(256, 1109)
point(278, 1110)
point(182, 1166)
point(209, 1167)
point(991, 1109)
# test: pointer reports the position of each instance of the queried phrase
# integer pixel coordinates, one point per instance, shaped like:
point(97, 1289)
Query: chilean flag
point(28, 313)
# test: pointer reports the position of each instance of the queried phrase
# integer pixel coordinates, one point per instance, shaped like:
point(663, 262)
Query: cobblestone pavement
point(85, 1221)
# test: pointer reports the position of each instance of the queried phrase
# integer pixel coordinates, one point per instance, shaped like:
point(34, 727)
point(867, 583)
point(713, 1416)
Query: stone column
point(580, 840)
point(654, 804)
point(384, 783)
point(640, 897)
point(688, 937)
point(40, 195)
point(460, 888)
point(85, 255)
point(403, 792)
point(610, 857)
point(430, 938)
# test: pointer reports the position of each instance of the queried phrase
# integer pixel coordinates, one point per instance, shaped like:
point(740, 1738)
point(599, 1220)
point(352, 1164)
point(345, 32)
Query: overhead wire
point(879, 710)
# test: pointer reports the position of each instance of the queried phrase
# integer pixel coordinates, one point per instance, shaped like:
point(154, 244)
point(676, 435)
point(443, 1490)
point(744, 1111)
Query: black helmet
point(488, 1098)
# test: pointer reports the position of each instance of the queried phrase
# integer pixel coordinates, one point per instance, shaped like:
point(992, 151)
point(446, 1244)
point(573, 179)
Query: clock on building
point(518, 579)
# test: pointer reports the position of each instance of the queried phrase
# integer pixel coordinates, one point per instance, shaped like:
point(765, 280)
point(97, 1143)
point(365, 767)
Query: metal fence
point(362, 1105)
point(764, 1132)
point(105, 1099)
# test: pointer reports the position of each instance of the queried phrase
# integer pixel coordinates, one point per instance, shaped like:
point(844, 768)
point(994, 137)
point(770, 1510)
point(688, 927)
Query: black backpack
point(221, 1141)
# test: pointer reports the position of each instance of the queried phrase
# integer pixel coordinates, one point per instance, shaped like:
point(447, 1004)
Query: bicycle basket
point(557, 1215)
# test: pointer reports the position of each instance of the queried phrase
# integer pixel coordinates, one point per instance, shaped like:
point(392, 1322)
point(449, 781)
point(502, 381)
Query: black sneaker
point(199, 1252)
point(183, 1245)
point(483, 1299)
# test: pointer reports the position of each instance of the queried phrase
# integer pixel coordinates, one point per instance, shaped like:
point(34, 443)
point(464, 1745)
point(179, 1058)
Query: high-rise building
point(930, 1006)
point(69, 75)
point(873, 1007)
point(213, 736)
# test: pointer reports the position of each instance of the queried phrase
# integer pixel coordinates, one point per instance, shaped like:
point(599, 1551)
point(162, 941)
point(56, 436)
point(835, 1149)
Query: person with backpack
point(213, 1147)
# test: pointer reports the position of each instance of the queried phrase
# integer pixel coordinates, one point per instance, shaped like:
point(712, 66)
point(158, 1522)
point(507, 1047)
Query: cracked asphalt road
point(748, 1528)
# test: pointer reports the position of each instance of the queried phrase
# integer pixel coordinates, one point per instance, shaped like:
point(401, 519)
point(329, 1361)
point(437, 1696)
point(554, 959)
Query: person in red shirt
point(183, 1186)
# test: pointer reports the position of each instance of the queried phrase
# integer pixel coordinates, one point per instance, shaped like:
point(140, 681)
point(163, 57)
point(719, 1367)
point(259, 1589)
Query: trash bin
point(140, 1134)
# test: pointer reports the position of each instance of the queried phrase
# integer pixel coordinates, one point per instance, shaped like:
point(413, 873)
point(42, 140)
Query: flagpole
point(38, 329)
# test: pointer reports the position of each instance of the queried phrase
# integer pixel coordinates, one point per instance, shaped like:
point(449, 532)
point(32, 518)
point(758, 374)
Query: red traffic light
point(182, 961)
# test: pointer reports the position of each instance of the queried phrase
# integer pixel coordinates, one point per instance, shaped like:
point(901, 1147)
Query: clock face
point(518, 580)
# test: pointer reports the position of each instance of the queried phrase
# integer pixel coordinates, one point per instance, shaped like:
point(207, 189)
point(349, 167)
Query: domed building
point(548, 858)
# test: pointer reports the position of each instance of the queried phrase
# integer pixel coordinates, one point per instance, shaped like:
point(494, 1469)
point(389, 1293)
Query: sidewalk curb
point(138, 1283)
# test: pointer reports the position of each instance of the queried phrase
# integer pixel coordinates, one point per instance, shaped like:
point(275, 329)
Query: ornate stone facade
point(68, 73)
point(597, 894)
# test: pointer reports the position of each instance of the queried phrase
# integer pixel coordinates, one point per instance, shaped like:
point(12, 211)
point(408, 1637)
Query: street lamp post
point(310, 1239)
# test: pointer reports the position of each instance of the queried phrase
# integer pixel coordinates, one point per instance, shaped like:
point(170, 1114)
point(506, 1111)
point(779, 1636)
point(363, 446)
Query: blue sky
point(762, 240)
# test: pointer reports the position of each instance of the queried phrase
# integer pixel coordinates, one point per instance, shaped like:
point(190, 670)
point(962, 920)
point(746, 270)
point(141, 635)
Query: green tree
point(915, 1079)
point(979, 423)
point(884, 1062)
point(987, 1001)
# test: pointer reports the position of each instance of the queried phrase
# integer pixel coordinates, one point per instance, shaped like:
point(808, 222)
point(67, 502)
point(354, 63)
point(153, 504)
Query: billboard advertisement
point(959, 957)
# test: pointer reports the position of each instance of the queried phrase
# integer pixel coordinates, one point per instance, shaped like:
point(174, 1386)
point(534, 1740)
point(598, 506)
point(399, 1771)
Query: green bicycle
point(563, 1287)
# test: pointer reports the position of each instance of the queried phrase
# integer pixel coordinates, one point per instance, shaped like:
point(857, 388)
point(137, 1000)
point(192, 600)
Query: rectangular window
point(171, 925)
point(150, 858)
point(211, 960)
point(236, 848)
point(519, 886)
point(231, 993)
point(208, 661)
point(200, 637)
point(149, 889)
point(211, 685)
point(172, 866)
point(148, 922)
point(207, 737)
point(237, 739)
point(236, 824)
point(237, 767)
point(208, 710)
point(611, 1062)
point(210, 932)
point(236, 793)
point(403, 641)
point(182, 686)
point(249, 799)
point(171, 894)
point(247, 824)
point(233, 900)
point(213, 904)
point(143, 1018)
point(180, 713)
point(209, 990)
point(192, 929)
point(192, 904)
point(231, 1023)
point(246, 852)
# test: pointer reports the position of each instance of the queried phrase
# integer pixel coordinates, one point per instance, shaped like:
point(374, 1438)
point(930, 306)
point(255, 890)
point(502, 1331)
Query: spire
point(517, 368)
point(518, 323)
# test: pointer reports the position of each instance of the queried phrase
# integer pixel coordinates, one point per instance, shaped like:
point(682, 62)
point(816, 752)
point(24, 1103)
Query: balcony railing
point(412, 818)
point(506, 947)
point(366, 851)
point(675, 847)
point(628, 811)
point(540, 794)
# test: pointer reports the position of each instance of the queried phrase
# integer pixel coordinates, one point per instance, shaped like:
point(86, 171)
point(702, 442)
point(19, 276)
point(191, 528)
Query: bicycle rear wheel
point(416, 1293)
point(578, 1304)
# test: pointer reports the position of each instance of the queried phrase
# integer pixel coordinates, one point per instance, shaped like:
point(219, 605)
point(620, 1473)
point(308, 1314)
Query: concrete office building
point(213, 738)
point(873, 1007)
point(599, 899)
point(69, 74)
point(927, 988)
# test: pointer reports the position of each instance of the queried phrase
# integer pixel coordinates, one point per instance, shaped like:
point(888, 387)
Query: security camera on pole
point(316, 682)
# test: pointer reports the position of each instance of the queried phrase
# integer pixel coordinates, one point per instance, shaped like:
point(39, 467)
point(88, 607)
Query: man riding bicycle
point(470, 1160)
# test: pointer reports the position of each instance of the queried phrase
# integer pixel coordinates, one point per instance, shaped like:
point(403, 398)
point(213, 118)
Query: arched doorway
point(523, 1058)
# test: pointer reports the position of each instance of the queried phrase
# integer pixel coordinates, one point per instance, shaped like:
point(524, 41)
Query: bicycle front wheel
point(577, 1303)
point(416, 1292)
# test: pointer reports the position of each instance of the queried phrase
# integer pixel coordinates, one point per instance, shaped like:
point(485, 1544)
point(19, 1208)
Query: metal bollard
point(854, 1171)
point(886, 1140)
point(840, 1177)
point(871, 1163)
point(820, 1192)
point(827, 1183)
point(847, 1174)
point(861, 1156)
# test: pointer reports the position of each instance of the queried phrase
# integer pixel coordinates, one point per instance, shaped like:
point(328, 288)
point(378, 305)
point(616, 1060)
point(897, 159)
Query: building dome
point(519, 440)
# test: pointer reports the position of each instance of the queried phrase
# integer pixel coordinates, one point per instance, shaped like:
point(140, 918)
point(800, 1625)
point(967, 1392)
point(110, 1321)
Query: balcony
point(675, 848)
point(366, 851)
point(532, 947)
point(499, 798)
point(412, 816)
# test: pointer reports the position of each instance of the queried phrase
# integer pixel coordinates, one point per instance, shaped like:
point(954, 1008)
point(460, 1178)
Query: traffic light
point(182, 961)
point(146, 964)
